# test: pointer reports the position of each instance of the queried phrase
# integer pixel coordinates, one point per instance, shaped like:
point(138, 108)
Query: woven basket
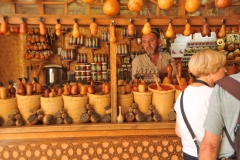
point(99, 102)
point(125, 101)
point(6, 107)
point(51, 105)
point(143, 100)
point(178, 91)
point(163, 100)
point(25, 103)
point(73, 106)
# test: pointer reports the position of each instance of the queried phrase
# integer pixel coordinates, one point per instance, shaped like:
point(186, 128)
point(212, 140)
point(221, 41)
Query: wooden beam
point(123, 20)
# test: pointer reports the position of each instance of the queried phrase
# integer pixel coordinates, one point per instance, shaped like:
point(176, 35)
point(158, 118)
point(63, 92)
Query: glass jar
point(104, 76)
point(77, 73)
point(88, 78)
point(82, 78)
point(94, 76)
point(104, 67)
point(88, 67)
point(99, 76)
point(82, 67)
point(88, 73)
point(98, 67)
point(82, 73)
point(77, 67)
point(93, 67)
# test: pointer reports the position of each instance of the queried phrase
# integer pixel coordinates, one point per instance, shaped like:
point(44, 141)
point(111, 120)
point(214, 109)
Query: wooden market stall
point(129, 140)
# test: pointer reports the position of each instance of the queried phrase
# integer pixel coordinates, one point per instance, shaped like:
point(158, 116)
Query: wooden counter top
point(87, 127)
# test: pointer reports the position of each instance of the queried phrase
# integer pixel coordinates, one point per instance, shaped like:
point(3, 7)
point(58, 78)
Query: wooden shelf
point(87, 127)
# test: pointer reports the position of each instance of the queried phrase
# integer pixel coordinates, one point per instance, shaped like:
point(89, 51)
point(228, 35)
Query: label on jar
point(88, 78)
point(82, 67)
point(88, 67)
point(93, 66)
point(99, 76)
point(88, 73)
point(94, 76)
point(82, 73)
point(98, 67)
point(104, 67)
point(77, 67)
point(104, 75)
point(77, 73)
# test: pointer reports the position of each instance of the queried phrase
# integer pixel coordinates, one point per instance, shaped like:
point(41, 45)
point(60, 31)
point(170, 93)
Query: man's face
point(150, 43)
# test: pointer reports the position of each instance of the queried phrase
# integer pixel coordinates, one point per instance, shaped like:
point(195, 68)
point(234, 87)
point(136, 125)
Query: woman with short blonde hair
point(206, 61)
point(208, 67)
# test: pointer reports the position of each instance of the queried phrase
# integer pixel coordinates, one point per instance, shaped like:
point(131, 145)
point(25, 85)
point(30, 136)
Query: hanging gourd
point(147, 27)
point(111, 7)
point(187, 29)
point(42, 27)
point(75, 31)
point(222, 31)
point(222, 3)
point(131, 28)
point(93, 27)
point(192, 5)
point(169, 32)
point(205, 30)
point(58, 28)
point(112, 30)
point(23, 26)
point(165, 4)
point(135, 5)
point(4, 25)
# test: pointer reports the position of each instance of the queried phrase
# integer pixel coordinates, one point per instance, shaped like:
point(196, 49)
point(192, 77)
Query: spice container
point(98, 67)
point(94, 76)
point(88, 73)
point(77, 73)
point(93, 67)
point(88, 78)
point(104, 76)
point(82, 67)
point(88, 67)
point(99, 76)
point(104, 67)
point(77, 78)
point(83, 78)
point(77, 67)
point(82, 73)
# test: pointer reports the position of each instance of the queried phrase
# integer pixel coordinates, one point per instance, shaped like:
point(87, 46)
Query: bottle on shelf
point(78, 58)
point(89, 42)
point(108, 36)
point(93, 43)
point(125, 49)
point(81, 40)
point(98, 58)
point(95, 59)
point(84, 58)
point(120, 117)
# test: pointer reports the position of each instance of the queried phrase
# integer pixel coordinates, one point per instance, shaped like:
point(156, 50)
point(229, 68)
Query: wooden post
point(113, 70)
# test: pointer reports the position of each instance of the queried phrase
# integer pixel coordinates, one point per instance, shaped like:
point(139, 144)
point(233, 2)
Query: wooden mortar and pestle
point(182, 81)
point(167, 79)
point(155, 78)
